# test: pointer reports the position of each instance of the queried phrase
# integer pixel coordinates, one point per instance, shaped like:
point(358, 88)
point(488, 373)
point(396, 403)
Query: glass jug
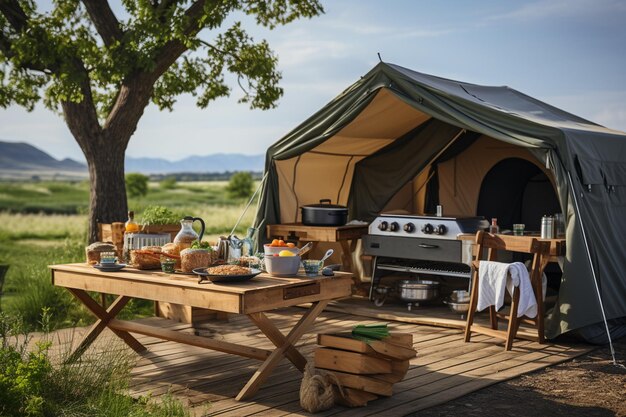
point(187, 235)
point(249, 245)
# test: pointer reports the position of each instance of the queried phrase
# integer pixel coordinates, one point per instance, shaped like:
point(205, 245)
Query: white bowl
point(271, 250)
point(282, 266)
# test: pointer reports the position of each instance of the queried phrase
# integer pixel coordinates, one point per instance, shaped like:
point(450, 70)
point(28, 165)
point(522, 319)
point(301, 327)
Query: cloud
point(296, 52)
point(545, 9)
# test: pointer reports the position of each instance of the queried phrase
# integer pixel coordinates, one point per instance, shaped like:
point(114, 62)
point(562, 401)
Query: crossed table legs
point(285, 345)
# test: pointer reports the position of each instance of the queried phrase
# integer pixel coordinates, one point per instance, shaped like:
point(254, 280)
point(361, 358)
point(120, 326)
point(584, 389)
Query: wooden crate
point(113, 233)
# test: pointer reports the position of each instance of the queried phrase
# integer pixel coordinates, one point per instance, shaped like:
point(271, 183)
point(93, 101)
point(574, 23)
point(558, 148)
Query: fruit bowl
point(272, 250)
point(282, 266)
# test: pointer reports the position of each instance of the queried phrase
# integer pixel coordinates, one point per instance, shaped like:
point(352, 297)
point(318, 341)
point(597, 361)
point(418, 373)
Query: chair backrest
point(521, 244)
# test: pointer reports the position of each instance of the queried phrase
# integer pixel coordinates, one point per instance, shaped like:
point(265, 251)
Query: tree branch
point(104, 20)
point(14, 14)
point(137, 88)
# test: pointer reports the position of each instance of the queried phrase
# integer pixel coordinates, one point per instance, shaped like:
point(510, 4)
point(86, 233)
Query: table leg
point(104, 316)
point(346, 255)
point(282, 347)
point(278, 339)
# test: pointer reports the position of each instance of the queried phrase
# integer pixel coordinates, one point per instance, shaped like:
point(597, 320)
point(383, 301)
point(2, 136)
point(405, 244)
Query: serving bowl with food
point(226, 273)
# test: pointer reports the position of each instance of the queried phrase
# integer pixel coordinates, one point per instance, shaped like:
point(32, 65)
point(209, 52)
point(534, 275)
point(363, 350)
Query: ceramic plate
point(109, 268)
point(204, 276)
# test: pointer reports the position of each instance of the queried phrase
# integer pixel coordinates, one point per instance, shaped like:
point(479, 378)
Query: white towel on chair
point(491, 284)
point(519, 278)
point(495, 277)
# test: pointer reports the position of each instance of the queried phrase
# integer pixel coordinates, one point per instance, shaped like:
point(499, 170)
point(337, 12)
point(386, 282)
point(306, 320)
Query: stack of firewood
point(365, 369)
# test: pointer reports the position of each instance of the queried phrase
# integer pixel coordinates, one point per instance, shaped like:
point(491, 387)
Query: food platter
point(205, 276)
point(109, 268)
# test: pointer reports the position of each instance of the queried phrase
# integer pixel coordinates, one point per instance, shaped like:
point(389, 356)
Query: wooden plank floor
point(444, 369)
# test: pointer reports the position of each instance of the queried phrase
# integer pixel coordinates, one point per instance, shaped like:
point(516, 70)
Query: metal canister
point(547, 227)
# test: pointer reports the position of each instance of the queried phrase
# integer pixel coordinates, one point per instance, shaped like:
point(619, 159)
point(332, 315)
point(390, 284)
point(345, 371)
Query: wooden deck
point(444, 369)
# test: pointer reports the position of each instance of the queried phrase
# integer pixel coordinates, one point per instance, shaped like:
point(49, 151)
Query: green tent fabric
point(584, 157)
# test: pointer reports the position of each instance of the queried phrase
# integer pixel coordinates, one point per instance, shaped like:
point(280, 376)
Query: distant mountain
point(219, 162)
point(22, 157)
point(22, 160)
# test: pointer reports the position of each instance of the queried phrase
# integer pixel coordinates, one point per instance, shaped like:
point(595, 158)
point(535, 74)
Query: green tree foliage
point(240, 185)
point(101, 67)
point(136, 184)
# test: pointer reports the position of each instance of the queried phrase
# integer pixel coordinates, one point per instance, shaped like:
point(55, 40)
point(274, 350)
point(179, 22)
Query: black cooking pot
point(324, 214)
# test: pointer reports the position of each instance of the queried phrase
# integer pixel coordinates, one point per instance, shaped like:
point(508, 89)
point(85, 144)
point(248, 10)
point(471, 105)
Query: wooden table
point(557, 246)
point(347, 236)
point(253, 298)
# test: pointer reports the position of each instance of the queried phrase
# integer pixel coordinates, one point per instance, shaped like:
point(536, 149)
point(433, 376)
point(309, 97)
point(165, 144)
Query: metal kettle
point(223, 248)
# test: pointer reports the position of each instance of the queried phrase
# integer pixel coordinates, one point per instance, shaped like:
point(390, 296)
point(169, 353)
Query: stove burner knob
point(383, 226)
point(428, 229)
point(409, 227)
point(441, 229)
point(394, 227)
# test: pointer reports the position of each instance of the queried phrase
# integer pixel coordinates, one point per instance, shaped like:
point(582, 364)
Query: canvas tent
point(402, 139)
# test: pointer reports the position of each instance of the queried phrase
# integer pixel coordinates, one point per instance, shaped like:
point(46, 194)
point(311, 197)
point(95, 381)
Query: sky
point(568, 53)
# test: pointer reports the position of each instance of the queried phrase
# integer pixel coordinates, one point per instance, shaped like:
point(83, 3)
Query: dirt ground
point(587, 386)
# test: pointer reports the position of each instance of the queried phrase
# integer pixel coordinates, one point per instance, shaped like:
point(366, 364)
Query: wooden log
point(364, 383)
point(354, 398)
point(352, 362)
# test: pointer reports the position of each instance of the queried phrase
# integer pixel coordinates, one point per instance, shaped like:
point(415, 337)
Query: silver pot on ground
point(416, 291)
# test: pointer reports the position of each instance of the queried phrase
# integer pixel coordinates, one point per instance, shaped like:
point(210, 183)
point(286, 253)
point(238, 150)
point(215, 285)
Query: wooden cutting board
point(398, 371)
point(396, 346)
point(352, 362)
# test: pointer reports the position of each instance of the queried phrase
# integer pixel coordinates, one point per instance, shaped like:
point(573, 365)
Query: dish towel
point(496, 277)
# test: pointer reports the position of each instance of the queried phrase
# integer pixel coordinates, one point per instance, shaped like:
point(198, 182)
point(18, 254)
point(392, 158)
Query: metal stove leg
point(375, 279)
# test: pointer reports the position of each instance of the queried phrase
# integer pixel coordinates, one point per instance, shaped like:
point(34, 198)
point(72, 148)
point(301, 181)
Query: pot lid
point(325, 203)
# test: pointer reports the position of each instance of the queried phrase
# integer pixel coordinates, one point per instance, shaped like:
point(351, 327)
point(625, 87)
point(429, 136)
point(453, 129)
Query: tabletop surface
point(261, 282)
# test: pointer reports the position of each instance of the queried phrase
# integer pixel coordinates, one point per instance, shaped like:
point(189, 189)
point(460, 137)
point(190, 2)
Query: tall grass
point(40, 381)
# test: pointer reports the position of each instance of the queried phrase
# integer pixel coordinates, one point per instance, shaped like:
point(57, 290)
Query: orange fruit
point(275, 242)
point(291, 245)
point(281, 242)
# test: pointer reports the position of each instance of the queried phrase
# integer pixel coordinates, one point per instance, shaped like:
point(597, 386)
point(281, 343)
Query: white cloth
point(494, 277)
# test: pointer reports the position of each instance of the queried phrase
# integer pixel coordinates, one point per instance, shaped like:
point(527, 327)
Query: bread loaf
point(194, 258)
point(92, 252)
point(148, 257)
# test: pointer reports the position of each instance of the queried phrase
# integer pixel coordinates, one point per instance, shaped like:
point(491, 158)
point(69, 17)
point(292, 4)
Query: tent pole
point(593, 269)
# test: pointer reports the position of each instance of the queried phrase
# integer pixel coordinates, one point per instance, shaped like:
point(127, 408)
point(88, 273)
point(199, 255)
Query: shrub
point(136, 184)
point(168, 183)
point(240, 185)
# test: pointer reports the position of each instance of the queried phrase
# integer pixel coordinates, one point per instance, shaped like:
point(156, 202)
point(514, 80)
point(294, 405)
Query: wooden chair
point(521, 244)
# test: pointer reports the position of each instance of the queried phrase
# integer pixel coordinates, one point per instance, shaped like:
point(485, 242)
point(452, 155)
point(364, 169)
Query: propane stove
point(422, 245)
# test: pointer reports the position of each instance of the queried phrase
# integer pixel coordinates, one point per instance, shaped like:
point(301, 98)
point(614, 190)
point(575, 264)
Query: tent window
point(588, 171)
point(614, 173)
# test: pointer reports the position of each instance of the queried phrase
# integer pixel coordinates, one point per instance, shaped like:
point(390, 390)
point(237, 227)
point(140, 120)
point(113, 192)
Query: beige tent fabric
point(332, 162)
point(460, 178)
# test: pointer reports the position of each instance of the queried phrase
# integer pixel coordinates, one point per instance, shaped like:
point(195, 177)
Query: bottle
point(494, 228)
point(547, 227)
point(131, 225)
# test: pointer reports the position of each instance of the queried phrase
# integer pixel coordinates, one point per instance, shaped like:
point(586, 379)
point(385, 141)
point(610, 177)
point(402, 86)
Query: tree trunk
point(107, 199)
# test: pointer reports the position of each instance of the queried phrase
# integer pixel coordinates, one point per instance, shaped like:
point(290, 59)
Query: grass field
point(45, 223)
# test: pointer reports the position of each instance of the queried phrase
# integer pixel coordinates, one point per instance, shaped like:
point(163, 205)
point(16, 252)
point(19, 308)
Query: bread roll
point(173, 250)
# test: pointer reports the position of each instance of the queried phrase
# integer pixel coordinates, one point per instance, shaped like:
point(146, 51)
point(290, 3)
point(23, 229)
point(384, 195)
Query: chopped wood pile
point(364, 369)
